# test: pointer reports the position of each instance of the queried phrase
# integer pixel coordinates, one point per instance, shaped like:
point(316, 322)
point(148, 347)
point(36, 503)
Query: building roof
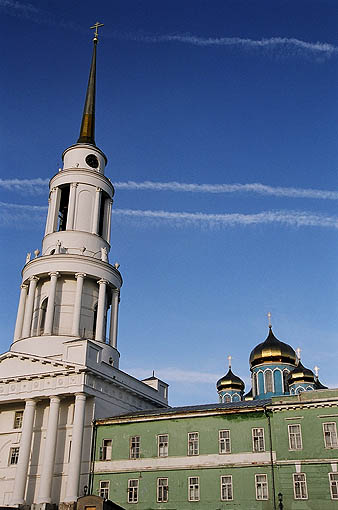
point(204, 408)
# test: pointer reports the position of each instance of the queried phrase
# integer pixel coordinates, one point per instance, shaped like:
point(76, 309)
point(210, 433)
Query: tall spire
point(87, 131)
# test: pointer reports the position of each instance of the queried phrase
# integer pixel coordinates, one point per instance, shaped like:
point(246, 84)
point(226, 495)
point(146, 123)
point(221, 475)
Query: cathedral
point(77, 432)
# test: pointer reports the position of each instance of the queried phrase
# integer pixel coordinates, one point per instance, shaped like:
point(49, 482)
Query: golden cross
point(269, 319)
point(298, 351)
point(316, 369)
point(96, 27)
point(229, 360)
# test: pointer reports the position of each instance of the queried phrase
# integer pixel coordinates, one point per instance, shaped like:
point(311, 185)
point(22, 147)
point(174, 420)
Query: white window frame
point(104, 490)
point(193, 444)
point(106, 449)
point(260, 440)
point(193, 488)
point(332, 435)
point(295, 438)
point(18, 420)
point(133, 489)
point(303, 494)
point(333, 484)
point(268, 370)
point(226, 488)
point(14, 452)
point(162, 445)
point(263, 485)
point(134, 447)
point(162, 495)
point(224, 443)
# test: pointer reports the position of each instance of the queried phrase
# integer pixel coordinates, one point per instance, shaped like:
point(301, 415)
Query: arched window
point(94, 321)
point(268, 381)
point(285, 381)
point(42, 316)
point(299, 390)
point(227, 398)
point(254, 384)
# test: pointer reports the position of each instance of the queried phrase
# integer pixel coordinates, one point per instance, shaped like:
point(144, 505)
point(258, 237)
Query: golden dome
point(300, 374)
point(230, 381)
point(272, 350)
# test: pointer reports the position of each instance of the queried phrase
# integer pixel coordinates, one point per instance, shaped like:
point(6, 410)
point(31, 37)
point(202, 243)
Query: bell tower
point(71, 291)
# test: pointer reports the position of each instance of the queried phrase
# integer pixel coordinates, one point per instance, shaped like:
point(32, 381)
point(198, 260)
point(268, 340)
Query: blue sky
point(220, 123)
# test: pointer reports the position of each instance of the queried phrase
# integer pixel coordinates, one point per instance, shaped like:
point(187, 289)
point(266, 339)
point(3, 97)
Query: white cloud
point(290, 46)
point(35, 186)
point(288, 218)
point(171, 374)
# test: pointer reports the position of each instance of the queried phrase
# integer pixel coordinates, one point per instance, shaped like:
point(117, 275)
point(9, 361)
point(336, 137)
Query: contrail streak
point(39, 185)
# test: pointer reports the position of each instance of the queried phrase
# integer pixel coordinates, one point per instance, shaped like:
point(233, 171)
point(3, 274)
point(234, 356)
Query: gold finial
point(316, 369)
point(96, 27)
point(298, 351)
point(269, 319)
point(229, 360)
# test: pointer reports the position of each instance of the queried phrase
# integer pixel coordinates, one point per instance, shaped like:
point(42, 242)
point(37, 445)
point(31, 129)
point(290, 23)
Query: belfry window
point(63, 209)
point(102, 210)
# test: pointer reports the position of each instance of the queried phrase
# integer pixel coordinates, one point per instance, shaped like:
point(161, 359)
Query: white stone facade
point(62, 369)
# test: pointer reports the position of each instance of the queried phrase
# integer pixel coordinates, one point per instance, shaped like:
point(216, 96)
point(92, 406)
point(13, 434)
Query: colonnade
point(54, 202)
point(26, 307)
point(47, 468)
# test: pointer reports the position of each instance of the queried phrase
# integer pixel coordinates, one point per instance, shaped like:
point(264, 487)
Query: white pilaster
point(48, 216)
point(51, 303)
point(101, 308)
point(24, 453)
point(71, 206)
point(77, 303)
point(21, 312)
point(53, 210)
point(110, 203)
point(45, 489)
point(26, 328)
point(114, 317)
point(96, 213)
point(74, 466)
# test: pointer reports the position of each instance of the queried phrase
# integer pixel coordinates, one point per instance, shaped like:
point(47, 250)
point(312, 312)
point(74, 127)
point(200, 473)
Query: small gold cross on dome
point(269, 319)
point(96, 26)
point(316, 369)
point(229, 360)
point(298, 351)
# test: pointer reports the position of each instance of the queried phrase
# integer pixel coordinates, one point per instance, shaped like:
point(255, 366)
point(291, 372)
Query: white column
point(46, 479)
point(96, 213)
point(24, 453)
point(48, 217)
point(74, 466)
point(77, 304)
point(26, 328)
point(101, 308)
point(21, 312)
point(110, 203)
point(71, 206)
point(51, 303)
point(114, 317)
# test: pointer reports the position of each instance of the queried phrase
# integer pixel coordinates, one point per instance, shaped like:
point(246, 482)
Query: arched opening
point(42, 316)
point(63, 208)
point(226, 398)
point(254, 384)
point(299, 390)
point(94, 321)
point(286, 381)
point(268, 381)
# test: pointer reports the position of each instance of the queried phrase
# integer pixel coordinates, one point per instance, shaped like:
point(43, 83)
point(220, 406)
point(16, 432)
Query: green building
point(273, 448)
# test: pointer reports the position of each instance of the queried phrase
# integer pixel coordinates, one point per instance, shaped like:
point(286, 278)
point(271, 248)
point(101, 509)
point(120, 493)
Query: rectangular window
point(18, 418)
point(299, 485)
point(261, 482)
point(330, 435)
point(295, 437)
point(134, 452)
point(133, 491)
point(162, 445)
point(193, 488)
point(104, 489)
point(162, 490)
point(333, 477)
point(13, 455)
point(226, 488)
point(106, 449)
point(193, 443)
point(224, 443)
point(258, 444)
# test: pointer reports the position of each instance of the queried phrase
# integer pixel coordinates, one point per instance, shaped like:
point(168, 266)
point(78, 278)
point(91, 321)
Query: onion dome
point(272, 350)
point(230, 381)
point(300, 374)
